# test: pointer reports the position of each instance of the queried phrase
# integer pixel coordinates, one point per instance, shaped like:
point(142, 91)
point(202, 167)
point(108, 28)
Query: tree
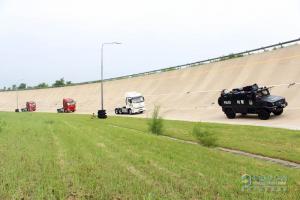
point(22, 86)
point(69, 82)
point(42, 85)
point(59, 83)
point(14, 87)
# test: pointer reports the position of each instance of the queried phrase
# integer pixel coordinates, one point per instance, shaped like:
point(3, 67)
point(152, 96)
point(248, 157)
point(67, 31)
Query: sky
point(45, 40)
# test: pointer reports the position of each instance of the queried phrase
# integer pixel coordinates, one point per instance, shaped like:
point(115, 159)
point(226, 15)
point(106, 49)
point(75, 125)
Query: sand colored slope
point(187, 94)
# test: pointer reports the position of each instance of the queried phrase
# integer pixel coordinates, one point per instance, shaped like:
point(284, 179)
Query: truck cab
point(251, 100)
point(134, 103)
point(69, 105)
point(31, 106)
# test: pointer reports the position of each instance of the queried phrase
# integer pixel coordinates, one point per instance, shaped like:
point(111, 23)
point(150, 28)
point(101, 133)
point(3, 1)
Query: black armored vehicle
point(251, 100)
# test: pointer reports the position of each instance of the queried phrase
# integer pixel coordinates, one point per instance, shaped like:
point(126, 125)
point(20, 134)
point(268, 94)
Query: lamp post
point(17, 95)
point(102, 112)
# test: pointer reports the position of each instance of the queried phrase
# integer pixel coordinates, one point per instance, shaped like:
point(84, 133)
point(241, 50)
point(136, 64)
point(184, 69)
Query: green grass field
point(61, 156)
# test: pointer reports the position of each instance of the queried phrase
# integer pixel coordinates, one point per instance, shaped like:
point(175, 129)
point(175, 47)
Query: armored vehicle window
point(262, 93)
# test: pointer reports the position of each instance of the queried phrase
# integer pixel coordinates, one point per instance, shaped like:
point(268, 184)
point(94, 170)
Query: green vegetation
point(231, 56)
point(66, 156)
point(42, 85)
point(59, 83)
point(2, 124)
point(22, 86)
point(273, 142)
point(156, 122)
point(203, 136)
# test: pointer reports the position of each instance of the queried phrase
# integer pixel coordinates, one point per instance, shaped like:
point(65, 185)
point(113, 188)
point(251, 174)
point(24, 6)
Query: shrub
point(59, 83)
point(155, 124)
point(204, 137)
point(42, 85)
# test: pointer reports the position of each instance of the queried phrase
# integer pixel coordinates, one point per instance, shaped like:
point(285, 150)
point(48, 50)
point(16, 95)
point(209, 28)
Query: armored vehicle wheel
point(278, 112)
point(263, 114)
point(230, 114)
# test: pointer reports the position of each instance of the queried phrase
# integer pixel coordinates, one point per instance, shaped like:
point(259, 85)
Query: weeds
point(49, 122)
point(155, 124)
point(204, 137)
point(2, 124)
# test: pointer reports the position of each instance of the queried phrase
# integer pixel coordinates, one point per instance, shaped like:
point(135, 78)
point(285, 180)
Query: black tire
point(117, 111)
point(230, 114)
point(263, 114)
point(130, 112)
point(278, 112)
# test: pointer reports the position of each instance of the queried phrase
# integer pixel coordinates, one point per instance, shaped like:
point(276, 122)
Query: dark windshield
point(137, 99)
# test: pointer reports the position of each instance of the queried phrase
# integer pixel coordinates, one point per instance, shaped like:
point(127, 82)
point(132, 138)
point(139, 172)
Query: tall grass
point(2, 124)
point(203, 136)
point(78, 158)
point(155, 124)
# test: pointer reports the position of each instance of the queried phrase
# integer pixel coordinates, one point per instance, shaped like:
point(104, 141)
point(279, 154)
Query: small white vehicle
point(135, 103)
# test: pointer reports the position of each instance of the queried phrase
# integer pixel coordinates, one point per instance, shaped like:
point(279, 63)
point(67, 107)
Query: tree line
point(23, 86)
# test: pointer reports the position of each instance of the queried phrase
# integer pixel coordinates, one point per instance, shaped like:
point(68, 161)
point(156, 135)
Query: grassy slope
point(273, 142)
point(74, 157)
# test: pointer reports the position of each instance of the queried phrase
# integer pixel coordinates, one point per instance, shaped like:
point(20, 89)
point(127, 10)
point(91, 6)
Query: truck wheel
point(130, 112)
point(263, 114)
point(117, 111)
point(230, 114)
point(278, 112)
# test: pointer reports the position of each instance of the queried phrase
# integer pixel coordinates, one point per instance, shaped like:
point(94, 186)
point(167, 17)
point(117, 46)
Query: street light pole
point(17, 94)
point(102, 112)
point(17, 100)
point(102, 76)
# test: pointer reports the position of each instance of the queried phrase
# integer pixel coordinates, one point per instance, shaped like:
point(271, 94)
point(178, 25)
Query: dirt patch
point(136, 172)
point(101, 145)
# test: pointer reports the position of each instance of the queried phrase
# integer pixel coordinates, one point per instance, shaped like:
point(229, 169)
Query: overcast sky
point(44, 40)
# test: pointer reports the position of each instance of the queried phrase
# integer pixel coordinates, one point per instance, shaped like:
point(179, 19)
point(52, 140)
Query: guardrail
point(193, 64)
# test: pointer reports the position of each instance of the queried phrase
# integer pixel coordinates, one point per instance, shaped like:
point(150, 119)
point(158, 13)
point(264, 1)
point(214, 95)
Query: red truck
point(30, 107)
point(69, 105)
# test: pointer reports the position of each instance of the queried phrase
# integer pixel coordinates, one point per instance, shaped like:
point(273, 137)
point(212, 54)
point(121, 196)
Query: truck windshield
point(137, 99)
point(71, 103)
point(263, 93)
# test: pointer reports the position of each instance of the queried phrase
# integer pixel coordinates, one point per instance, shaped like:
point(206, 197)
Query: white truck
point(135, 103)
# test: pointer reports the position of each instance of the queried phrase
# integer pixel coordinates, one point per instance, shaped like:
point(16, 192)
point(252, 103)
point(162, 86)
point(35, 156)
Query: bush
point(22, 86)
point(156, 122)
point(42, 85)
point(59, 83)
point(204, 137)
